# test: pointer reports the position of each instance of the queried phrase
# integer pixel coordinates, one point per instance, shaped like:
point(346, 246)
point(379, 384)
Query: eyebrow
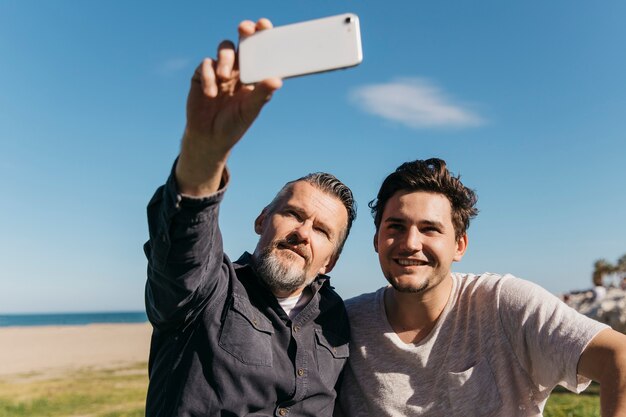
point(394, 220)
point(421, 222)
point(300, 211)
point(318, 222)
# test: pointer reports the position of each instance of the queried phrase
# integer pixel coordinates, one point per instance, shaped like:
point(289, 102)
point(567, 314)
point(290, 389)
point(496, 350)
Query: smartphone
point(301, 48)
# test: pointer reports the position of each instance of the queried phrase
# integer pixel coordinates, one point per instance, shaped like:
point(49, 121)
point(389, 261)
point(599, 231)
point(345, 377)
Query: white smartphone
point(301, 48)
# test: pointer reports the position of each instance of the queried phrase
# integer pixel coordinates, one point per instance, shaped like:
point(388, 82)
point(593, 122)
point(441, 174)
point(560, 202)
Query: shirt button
point(300, 372)
point(255, 322)
point(283, 411)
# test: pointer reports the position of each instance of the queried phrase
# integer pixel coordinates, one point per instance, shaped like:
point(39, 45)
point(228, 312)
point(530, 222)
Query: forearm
point(184, 253)
point(613, 388)
point(604, 360)
point(200, 167)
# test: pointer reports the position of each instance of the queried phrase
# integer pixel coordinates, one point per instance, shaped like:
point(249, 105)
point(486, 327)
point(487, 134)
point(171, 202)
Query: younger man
point(436, 343)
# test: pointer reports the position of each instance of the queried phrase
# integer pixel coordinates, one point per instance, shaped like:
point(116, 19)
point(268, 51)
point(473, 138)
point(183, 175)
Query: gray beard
point(278, 276)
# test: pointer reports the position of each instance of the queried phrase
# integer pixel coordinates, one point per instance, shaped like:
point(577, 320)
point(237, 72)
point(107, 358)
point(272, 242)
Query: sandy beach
point(52, 349)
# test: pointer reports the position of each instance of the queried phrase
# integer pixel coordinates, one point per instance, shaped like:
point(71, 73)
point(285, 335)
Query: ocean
point(71, 319)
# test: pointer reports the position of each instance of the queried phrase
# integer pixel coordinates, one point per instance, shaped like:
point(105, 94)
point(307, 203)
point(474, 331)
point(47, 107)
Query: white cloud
point(172, 66)
point(414, 102)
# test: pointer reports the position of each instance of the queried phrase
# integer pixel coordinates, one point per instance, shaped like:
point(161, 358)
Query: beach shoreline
point(49, 350)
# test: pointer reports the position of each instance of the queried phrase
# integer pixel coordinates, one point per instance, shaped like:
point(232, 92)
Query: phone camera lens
point(349, 19)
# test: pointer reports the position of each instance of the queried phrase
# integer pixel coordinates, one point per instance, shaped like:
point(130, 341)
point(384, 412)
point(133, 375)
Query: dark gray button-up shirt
point(222, 345)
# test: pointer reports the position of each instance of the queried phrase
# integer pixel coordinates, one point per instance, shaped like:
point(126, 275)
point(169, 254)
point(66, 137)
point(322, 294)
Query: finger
point(225, 60)
point(262, 93)
point(263, 24)
point(246, 28)
point(205, 76)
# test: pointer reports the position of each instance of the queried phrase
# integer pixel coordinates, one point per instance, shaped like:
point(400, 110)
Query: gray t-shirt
point(498, 349)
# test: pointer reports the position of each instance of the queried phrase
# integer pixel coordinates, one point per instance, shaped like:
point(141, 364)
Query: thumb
point(261, 94)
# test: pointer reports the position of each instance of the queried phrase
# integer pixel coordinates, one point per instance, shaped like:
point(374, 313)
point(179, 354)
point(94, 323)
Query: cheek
point(444, 249)
point(322, 246)
point(268, 234)
point(385, 244)
point(281, 228)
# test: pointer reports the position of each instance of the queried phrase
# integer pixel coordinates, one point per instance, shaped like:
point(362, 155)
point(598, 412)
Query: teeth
point(409, 262)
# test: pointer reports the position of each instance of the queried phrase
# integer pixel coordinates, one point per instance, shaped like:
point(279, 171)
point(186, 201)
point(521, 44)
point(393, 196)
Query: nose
point(412, 240)
point(302, 232)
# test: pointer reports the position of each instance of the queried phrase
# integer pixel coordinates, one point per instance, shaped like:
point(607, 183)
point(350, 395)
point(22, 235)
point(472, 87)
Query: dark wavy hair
point(329, 184)
point(429, 175)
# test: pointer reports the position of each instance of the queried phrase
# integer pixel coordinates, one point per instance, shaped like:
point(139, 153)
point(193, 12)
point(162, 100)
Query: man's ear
point(376, 241)
point(258, 223)
point(461, 247)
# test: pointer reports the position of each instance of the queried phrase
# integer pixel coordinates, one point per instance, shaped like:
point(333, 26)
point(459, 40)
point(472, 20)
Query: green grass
point(563, 403)
point(122, 393)
point(86, 393)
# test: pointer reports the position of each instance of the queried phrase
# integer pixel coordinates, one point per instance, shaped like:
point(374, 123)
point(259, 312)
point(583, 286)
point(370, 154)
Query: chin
point(410, 289)
point(409, 285)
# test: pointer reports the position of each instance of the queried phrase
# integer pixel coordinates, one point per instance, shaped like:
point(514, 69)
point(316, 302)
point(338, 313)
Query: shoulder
point(363, 300)
point(366, 314)
point(479, 285)
point(475, 297)
point(507, 284)
point(514, 291)
point(364, 304)
point(329, 297)
point(522, 303)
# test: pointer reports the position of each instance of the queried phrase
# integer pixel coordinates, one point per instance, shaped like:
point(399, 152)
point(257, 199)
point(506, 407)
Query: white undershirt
point(293, 305)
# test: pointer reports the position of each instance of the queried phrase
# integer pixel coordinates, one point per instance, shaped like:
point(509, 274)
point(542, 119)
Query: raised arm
point(219, 111)
point(185, 253)
point(604, 361)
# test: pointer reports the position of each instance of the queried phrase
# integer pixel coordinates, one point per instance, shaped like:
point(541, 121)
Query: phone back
point(301, 48)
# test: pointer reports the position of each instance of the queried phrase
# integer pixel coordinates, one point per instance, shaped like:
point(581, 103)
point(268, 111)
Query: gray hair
point(329, 184)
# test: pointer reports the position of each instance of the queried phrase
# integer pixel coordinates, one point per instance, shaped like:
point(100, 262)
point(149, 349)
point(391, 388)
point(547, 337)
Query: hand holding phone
point(219, 111)
point(302, 48)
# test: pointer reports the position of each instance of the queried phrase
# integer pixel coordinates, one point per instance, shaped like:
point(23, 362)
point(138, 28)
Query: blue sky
point(526, 100)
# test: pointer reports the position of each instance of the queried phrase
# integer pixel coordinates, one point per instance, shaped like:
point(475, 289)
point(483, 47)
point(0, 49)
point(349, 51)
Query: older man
point(265, 335)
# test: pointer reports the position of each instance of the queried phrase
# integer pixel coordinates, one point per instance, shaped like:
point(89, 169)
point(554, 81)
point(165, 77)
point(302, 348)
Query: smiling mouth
point(410, 262)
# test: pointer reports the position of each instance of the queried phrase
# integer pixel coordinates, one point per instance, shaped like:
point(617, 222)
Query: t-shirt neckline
point(393, 336)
